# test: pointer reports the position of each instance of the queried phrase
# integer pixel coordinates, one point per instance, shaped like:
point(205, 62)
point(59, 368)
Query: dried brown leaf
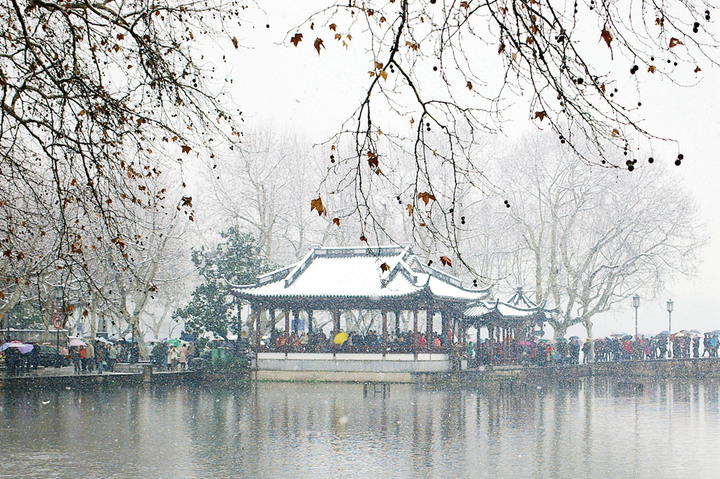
point(318, 206)
point(607, 36)
point(297, 38)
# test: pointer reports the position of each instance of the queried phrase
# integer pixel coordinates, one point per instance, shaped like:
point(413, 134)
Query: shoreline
point(140, 374)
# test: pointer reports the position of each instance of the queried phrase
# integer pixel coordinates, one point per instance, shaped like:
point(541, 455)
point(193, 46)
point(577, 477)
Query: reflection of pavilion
point(355, 290)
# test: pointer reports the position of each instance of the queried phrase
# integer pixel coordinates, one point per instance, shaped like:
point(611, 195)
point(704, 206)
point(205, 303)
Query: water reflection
point(595, 428)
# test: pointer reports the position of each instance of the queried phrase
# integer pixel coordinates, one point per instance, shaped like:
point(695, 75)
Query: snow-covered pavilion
point(386, 280)
point(517, 318)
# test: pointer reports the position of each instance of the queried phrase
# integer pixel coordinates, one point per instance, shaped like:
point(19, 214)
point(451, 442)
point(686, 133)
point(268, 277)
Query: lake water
point(590, 428)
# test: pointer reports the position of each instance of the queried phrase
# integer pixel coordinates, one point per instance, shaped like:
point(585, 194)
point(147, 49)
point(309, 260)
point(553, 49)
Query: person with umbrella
point(90, 356)
point(34, 359)
point(12, 361)
point(100, 354)
point(75, 357)
point(714, 345)
point(112, 355)
point(183, 357)
point(159, 353)
point(172, 358)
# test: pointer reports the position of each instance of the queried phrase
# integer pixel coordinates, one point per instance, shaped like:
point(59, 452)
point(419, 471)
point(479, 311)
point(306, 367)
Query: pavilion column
point(287, 323)
point(415, 333)
point(384, 332)
point(271, 317)
point(296, 318)
point(239, 324)
point(444, 326)
point(461, 329)
point(310, 320)
point(397, 323)
point(336, 323)
point(256, 313)
point(428, 323)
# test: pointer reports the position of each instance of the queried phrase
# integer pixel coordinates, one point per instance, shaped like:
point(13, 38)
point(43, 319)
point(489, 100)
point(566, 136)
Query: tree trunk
point(588, 331)
point(559, 330)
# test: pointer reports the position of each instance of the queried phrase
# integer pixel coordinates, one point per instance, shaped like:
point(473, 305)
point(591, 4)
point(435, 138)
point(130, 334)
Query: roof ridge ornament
point(300, 267)
point(401, 267)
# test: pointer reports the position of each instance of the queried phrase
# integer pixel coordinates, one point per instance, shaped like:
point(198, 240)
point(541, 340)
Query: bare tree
point(586, 239)
point(265, 189)
point(442, 73)
point(93, 97)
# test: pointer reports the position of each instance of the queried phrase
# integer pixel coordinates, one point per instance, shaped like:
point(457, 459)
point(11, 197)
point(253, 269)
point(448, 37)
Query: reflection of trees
point(317, 430)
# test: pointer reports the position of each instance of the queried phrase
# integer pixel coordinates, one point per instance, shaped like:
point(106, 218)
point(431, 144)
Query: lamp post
point(670, 306)
point(636, 305)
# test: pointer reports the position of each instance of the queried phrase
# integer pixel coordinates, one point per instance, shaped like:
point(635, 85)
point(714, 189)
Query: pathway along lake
point(589, 428)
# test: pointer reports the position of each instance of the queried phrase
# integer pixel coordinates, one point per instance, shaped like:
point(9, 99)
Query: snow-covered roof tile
point(358, 272)
point(338, 276)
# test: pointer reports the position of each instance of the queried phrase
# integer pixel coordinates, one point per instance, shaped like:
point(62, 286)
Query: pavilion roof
point(518, 308)
point(371, 273)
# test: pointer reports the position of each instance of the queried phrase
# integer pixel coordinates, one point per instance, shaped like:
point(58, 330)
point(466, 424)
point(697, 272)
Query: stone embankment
point(123, 375)
point(697, 368)
point(138, 374)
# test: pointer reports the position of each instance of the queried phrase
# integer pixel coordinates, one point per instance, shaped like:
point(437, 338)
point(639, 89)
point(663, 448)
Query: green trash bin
point(219, 357)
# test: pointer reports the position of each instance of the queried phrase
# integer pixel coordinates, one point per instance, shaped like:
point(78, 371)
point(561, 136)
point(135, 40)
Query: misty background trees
point(583, 240)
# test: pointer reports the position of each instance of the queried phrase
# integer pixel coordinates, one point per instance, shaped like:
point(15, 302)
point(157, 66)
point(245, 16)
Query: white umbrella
point(77, 342)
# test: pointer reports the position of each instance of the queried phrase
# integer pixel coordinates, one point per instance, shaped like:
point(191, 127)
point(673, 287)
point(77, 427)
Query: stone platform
point(347, 367)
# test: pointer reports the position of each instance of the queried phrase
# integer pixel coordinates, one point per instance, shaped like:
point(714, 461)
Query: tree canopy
point(98, 101)
point(234, 261)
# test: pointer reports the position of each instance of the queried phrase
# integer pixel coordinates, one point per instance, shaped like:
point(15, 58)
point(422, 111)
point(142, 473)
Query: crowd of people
point(170, 357)
point(355, 342)
point(656, 347)
point(16, 362)
point(614, 348)
point(95, 356)
point(532, 351)
point(101, 354)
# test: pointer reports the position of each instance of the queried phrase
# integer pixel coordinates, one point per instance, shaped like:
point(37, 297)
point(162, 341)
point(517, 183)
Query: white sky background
point(297, 90)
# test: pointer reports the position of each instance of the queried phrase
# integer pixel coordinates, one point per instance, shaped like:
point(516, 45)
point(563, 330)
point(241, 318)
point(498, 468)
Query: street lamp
point(636, 305)
point(670, 306)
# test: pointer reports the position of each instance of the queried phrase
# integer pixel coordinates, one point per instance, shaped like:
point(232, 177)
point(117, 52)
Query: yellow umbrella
point(340, 338)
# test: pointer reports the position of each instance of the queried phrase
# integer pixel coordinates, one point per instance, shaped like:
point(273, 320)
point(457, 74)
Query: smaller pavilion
point(508, 323)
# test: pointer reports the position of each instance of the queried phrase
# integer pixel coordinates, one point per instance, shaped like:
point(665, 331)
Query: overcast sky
point(297, 90)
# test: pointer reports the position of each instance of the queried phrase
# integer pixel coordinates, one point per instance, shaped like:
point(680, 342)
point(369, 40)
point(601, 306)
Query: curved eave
point(495, 317)
point(422, 297)
point(315, 298)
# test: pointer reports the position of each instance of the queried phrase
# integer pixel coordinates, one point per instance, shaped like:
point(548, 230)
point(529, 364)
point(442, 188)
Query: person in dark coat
point(12, 358)
point(34, 358)
point(75, 357)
